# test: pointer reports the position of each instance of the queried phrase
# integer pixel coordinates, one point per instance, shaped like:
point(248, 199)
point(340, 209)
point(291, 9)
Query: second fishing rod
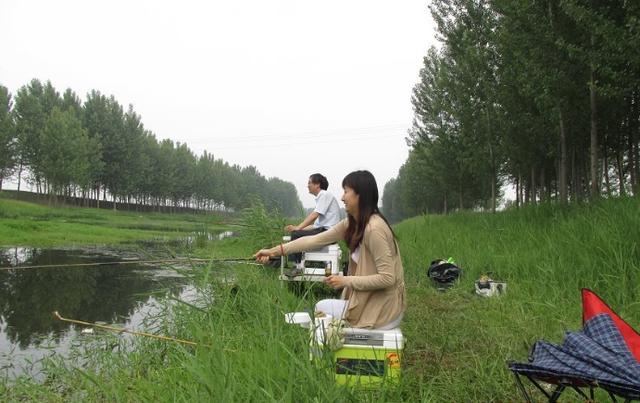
point(244, 260)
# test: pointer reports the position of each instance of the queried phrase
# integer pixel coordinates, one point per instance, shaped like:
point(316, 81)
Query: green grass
point(29, 224)
point(546, 254)
point(457, 343)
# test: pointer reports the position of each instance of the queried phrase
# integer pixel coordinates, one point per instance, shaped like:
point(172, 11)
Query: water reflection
point(110, 293)
point(197, 239)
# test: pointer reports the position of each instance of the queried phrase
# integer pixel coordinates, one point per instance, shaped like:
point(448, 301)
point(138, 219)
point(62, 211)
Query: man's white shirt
point(328, 208)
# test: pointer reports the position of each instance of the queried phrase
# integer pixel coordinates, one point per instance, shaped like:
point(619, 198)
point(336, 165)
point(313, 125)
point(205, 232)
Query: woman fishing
point(373, 293)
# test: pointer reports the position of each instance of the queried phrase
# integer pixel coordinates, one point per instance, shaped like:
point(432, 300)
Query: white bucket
point(298, 318)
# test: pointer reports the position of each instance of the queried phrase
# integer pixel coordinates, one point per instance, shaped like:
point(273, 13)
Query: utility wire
point(294, 143)
point(309, 133)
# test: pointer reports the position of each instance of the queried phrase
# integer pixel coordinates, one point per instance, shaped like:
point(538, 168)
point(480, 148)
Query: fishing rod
point(244, 260)
point(125, 330)
point(236, 224)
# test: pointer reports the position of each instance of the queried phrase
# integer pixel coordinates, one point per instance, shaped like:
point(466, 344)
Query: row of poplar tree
point(98, 151)
point(539, 94)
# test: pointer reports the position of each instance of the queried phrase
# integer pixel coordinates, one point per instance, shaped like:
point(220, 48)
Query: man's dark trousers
point(297, 257)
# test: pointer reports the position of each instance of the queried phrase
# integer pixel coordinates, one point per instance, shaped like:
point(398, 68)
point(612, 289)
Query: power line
point(310, 134)
point(293, 143)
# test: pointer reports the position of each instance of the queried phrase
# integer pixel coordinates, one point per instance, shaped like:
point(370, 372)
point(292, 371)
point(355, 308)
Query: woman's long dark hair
point(365, 186)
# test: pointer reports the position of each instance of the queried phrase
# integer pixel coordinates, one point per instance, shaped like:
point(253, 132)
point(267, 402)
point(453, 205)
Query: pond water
point(116, 294)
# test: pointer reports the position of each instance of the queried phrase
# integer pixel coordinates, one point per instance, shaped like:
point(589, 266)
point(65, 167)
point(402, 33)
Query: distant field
point(29, 224)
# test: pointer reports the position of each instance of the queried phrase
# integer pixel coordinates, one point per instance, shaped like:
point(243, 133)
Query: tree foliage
point(65, 151)
point(542, 95)
point(7, 136)
point(98, 151)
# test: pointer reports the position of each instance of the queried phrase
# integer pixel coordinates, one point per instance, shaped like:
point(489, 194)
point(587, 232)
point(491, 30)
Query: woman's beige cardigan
point(375, 286)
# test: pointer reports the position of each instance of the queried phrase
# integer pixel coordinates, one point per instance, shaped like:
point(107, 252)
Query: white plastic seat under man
point(328, 253)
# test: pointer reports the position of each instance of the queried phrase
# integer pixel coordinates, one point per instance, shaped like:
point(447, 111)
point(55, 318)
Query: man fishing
point(325, 215)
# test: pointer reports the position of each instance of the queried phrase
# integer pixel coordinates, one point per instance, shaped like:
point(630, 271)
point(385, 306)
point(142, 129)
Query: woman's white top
point(355, 255)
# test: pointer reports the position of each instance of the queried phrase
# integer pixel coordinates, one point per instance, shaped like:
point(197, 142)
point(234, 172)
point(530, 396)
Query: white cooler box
point(367, 358)
point(330, 253)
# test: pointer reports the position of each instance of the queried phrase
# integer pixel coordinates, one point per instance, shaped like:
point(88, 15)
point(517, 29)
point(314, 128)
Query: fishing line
point(235, 224)
point(184, 260)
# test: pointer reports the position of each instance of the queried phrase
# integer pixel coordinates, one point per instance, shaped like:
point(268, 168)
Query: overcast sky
point(292, 87)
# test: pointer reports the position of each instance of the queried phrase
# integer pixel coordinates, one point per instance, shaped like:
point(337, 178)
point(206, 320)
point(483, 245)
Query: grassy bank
point(457, 343)
point(546, 254)
point(29, 224)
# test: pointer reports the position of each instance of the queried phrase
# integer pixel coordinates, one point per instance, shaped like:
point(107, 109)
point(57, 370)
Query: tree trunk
point(634, 163)
point(493, 165)
point(581, 168)
point(605, 164)
point(493, 195)
point(620, 170)
point(543, 184)
point(637, 170)
point(19, 176)
point(594, 132)
point(521, 191)
point(574, 176)
point(562, 174)
point(445, 203)
point(605, 171)
point(533, 185)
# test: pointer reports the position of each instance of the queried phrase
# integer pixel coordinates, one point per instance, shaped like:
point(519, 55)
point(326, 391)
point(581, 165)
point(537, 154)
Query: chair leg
point(540, 388)
point(526, 396)
point(581, 393)
point(556, 393)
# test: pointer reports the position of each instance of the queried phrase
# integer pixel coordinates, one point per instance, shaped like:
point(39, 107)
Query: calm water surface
point(122, 295)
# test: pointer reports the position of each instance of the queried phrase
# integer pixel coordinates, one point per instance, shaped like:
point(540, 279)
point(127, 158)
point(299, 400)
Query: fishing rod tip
point(57, 315)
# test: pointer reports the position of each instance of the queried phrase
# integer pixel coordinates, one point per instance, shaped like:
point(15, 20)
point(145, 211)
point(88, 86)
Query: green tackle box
point(369, 357)
point(365, 357)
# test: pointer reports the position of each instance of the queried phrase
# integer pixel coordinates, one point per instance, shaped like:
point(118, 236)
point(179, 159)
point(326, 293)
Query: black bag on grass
point(444, 273)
